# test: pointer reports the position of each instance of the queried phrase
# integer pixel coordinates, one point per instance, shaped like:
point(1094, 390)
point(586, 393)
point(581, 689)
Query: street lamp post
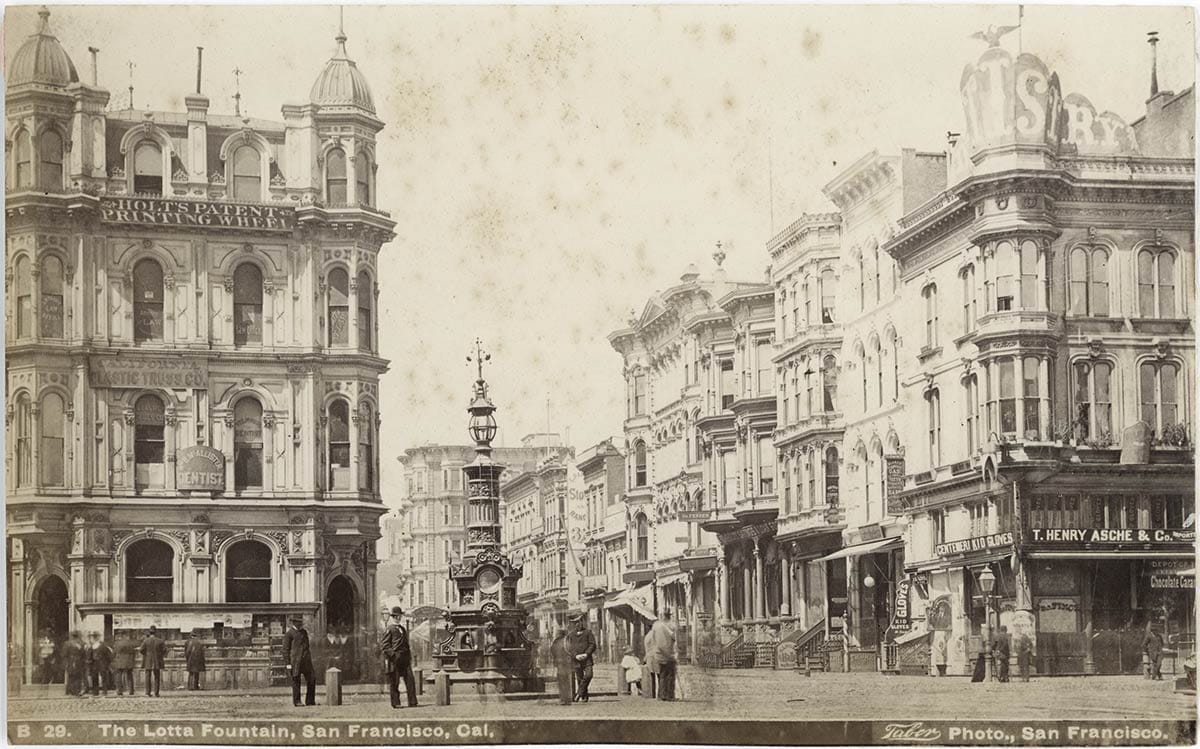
point(987, 583)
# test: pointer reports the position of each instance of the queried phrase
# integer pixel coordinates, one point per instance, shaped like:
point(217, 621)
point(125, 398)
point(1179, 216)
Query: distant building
point(600, 537)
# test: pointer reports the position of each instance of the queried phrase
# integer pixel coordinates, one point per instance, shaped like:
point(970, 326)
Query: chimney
point(197, 116)
point(95, 66)
point(1153, 40)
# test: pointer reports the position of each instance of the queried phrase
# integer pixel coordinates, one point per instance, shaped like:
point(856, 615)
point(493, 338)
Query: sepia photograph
point(600, 374)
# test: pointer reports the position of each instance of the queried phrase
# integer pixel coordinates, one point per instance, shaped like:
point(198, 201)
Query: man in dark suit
point(154, 652)
point(299, 662)
point(122, 663)
point(397, 657)
point(99, 660)
point(581, 644)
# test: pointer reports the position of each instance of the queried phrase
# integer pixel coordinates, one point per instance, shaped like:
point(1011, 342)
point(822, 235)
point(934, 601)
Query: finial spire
point(1153, 40)
point(479, 358)
point(719, 255)
point(237, 96)
point(131, 67)
point(44, 14)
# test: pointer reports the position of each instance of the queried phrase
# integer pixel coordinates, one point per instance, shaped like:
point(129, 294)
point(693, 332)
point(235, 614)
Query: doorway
point(53, 612)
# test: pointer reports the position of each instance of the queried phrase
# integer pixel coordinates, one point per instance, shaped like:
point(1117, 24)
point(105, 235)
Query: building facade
point(601, 536)
point(192, 371)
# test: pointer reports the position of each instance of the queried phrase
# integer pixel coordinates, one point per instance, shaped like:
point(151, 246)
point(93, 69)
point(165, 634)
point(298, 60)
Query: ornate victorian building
point(193, 367)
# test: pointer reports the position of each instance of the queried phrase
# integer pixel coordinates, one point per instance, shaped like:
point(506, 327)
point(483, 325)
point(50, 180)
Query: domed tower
point(49, 111)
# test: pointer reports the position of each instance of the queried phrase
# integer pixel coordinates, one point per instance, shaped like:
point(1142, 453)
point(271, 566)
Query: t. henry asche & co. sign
point(198, 213)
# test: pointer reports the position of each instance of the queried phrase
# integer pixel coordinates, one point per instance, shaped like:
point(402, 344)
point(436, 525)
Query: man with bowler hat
point(299, 662)
point(397, 656)
point(154, 652)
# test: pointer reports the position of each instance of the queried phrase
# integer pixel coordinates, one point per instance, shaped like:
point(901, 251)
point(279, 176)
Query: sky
point(551, 168)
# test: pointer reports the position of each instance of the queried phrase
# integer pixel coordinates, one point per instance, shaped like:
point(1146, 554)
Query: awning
point(882, 544)
point(637, 600)
point(668, 579)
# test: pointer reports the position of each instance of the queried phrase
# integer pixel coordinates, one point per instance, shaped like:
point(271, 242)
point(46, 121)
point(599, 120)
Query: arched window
point(967, 278)
point(1158, 385)
point(864, 468)
point(929, 294)
point(643, 538)
point(1156, 283)
point(50, 161)
point(366, 451)
point(1005, 264)
point(339, 445)
point(1089, 281)
point(639, 464)
point(149, 441)
point(829, 375)
point(365, 300)
point(23, 159)
point(50, 455)
point(895, 367)
point(1093, 400)
point(51, 302)
point(247, 174)
point(247, 444)
point(875, 265)
point(24, 294)
point(248, 572)
point(878, 373)
point(339, 307)
point(862, 363)
point(149, 572)
point(362, 179)
point(828, 296)
point(1031, 296)
point(971, 397)
point(148, 169)
point(809, 283)
point(881, 474)
point(831, 477)
point(862, 281)
point(933, 405)
point(247, 304)
point(795, 309)
point(335, 177)
point(798, 482)
point(148, 298)
point(24, 433)
point(787, 486)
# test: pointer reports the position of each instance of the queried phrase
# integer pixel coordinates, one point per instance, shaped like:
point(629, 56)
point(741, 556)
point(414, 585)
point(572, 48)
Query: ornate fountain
point(484, 641)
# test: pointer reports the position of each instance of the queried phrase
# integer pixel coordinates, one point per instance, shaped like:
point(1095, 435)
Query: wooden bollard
point(333, 686)
point(441, 688)
point(419, 677)
point(622, 685)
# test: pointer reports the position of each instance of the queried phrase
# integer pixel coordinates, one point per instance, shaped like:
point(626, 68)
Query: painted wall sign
point(200, 468)
point(198, 213)
point(130, 372)
point(1112, 536)
point(895, 474)
point(978, 543)
point(1172, 582)
point(694, 516)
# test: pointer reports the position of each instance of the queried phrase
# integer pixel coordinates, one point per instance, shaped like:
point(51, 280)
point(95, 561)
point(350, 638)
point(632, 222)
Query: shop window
point(248, 444)
point(339, 444)
point(51, 455)
point(24, 435)
point(148, 169)
point(23, 291)
point(339, 307)
point(149, 441)
point(335, 177)
point(23, 160)
point(362, 179)
point(1156, 283)
point(1089, 282)
point(831, 477)
point(149, 572)
point(247, 174)
point(1158, 384)
point(829, 377)
point(51, 303)
point(50, 161)
point(1093, 400)
point(248, 573)
point(148, 296)
point(365, 312)
point(247, 305)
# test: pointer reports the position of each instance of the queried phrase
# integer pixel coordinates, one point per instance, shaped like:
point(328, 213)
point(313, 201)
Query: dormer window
point(362, 179)
point(335, 177)
point(148, 169)
point(247, 174)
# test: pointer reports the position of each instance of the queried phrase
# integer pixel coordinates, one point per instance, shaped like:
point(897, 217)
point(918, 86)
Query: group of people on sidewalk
point(94, 667)
point(658, 674)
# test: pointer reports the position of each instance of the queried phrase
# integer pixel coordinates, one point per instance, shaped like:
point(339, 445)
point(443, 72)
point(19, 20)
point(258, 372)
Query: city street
point(735, 694)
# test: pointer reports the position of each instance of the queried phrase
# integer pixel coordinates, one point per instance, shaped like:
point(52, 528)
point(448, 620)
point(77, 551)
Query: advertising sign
point(1112, 536)
point(200, 468)
point(978, 543)
point(694, 516)
point(151, 211)
point(139, 372)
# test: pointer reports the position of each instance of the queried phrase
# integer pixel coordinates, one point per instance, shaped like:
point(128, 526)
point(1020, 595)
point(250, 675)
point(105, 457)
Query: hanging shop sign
point(1112, 536)
point(140, 372)
point(200, 468)
point(149, 211)
point(900, 615)
point(978, 543)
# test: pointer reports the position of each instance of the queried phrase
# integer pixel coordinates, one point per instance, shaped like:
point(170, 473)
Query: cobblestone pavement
point(735, 694)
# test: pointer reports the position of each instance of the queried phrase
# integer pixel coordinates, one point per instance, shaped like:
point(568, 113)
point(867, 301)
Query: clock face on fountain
point(488, 580)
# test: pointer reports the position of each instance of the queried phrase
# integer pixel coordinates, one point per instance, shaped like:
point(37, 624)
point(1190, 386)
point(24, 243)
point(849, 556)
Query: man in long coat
point(298, 655)
point(75, 664)
point(99, 660)
point(581, 644)
point(397, 658)
point(662, 644)
point(122, 663)
point(154, 652)
point(1152, 646)
point(193, 653)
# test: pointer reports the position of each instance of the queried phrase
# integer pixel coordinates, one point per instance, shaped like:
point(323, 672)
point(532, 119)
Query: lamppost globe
point(869, 581)
point(987, 581)
point(482, 427)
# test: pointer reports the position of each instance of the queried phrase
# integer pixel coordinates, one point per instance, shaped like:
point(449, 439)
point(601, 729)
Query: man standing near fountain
point(581, 644)
point(397, 654)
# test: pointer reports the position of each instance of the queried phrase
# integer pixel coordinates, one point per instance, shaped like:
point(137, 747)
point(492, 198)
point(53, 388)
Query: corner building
point(193, 373)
